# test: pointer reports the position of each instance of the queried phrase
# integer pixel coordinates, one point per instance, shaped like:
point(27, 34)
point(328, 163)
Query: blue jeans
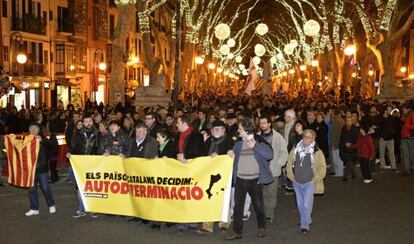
point(80, 202)
point(41, 179)
point(304, 200)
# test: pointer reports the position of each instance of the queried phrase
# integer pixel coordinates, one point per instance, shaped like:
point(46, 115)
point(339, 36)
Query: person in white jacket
point(280, 155)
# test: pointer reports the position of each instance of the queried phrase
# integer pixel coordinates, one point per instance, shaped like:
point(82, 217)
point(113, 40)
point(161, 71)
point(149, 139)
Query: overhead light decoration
point(259, 50)
point(219, 70)
point(242, 67)
point(245, 72)
point(224, 49)
point(350, 50)
point(239, 59)
point(311, 28)
point(315, 63)
point(294, 43)
point(238, 72)
point(273, 60)
point(230, 56)
point(124, 2)
point(279, 56)
point(231, 42)
point(222, 31)
point(256, 60)
point(288, 49)
point(262, 29)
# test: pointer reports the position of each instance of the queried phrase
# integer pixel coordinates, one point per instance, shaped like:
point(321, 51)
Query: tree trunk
point(119, 53)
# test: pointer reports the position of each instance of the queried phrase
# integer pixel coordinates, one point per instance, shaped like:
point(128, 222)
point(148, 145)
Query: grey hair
point(291, 113)
point(310, 131)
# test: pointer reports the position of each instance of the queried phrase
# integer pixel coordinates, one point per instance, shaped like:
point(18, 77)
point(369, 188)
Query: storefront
point(27, 93)
point(66, 91)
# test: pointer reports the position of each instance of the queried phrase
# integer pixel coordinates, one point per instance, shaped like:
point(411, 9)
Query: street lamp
point(350, 50)
point(403, 69)
point(371, 73)
point(302, 67)
point(16, 38)
point(199, 60)
point(212, 66)
point(315, 63)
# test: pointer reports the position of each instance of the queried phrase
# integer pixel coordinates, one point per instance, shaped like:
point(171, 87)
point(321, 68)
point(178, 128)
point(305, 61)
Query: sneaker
point(245, 217)
point(377, 161)
point(79, 214)
point(367, 181)
point(32, 212)
point(52, 209)
point(94, 215)
point(386, 167)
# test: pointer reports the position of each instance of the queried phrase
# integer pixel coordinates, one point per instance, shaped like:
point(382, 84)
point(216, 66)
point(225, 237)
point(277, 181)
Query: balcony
point(29, 69)
point(30, 24)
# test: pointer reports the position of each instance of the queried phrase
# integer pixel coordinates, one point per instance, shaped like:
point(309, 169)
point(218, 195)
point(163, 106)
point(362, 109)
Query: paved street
point(351, 212)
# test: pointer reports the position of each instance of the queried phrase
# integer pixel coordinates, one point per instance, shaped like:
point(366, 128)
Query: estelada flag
point(22, 158)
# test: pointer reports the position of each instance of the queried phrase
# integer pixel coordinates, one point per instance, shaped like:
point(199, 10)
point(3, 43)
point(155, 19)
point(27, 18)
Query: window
point(4, 8)
point(46, 57)
point(64, 23)
point(60, 59)
point(111, 25)
point(5, 53)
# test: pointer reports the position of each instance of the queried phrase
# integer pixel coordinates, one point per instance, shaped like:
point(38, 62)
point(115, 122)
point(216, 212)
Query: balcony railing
point(30, 24)
point(31, 69)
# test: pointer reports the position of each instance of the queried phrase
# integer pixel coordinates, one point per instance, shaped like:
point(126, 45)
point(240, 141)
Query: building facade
point(67, 44)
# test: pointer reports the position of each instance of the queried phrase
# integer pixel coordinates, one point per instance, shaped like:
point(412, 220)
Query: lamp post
point(99, 65)
point(16, 38)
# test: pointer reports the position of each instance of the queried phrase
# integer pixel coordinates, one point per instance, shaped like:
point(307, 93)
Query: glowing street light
point(403, 69)
point(102, 66)
point(291, 71)
point(354, 75)
point(315, 63)
point(302, 67)
point(371, 73)
point(199, 60)
point(219, 70)
point(350, 50)
point(21, 58)
point(211, 66)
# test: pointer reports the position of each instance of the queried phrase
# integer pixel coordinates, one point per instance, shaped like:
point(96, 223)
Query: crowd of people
point(277, 142)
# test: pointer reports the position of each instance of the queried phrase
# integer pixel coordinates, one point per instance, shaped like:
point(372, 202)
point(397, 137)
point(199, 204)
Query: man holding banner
point(84, 142)
point(251, 171)
point(218, 144)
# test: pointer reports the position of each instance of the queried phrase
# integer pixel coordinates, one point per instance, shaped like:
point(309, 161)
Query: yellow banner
point(157, 189)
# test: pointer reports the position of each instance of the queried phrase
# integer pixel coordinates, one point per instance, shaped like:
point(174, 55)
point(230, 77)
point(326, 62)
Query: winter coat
point(117, 144)
point(280, 153)
point(348, 136)
point(319, 169)
point(263, 153)
point(83, 145)
point(147, 149)
point(336, 130)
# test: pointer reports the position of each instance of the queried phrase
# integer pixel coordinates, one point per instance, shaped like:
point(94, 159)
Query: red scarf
point(183, 136)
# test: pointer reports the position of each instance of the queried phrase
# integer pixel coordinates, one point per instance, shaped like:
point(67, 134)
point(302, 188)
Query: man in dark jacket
point(200, 123)
point(41, 175)
point(84, 142)
point(152, 124)
point(144, 146)
point(190, 146)
point(386, 142)
point(190, 142)
point(348, 155)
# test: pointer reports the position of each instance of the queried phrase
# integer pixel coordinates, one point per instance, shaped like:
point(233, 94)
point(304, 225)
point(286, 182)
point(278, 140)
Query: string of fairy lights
point(324, 28)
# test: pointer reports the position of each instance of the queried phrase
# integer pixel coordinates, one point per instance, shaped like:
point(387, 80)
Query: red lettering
point(180, 192)
point(115, 187)
point(124, 188)
point(136, 190)
point(152, 191)
point(106, 185)
point(173, 193)
point(197, 193)
point(88, 186)
point(97, 185)
point(142, 190)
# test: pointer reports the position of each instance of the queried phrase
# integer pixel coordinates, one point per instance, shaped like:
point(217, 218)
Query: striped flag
point(22, 158)
point(253, 76)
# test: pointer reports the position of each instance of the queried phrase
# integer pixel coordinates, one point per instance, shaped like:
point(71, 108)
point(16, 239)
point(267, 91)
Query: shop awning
point(65, 82)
